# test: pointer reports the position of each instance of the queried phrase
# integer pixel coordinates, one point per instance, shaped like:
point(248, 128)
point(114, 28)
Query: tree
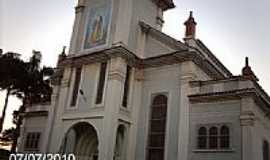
point(11, 66)
point(34, 87)
point(26, 80)
point(8, 135)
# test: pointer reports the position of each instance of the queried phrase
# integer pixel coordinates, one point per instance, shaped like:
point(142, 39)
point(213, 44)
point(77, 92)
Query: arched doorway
point(81, 140)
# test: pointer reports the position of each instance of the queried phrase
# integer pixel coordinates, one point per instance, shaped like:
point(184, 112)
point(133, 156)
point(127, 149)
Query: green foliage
point(27, 80)
point(8, 135)
point(11, 68)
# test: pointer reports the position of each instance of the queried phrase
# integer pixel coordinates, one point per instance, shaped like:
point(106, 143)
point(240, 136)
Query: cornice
point(213, 57)
point(162, 37)
point(164, 4)
point(36, 114)
point(134, 61)
point(232, 95)
point(221, 96)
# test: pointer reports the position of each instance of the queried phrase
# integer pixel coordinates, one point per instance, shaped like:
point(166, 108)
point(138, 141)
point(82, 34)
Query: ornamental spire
point(190, 27)
point(247, 72)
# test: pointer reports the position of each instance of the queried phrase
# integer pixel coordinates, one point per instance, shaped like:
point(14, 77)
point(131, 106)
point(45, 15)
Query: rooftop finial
point(190, 27)
point(63, 55)
point(64, 50)
point(247, 63)
point(190, 14)
point(247, 72)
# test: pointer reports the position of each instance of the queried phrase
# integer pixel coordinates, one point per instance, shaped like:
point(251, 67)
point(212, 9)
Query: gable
point(153, 47)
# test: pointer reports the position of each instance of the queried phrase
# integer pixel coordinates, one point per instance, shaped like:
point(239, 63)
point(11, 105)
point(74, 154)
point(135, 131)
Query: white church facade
point(127, 91)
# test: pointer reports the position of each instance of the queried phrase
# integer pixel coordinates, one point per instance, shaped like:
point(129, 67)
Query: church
point(127, 91)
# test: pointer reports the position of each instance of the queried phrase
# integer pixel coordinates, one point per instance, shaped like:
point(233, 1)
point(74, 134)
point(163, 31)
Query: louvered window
point(101, 83)
point(76, 86)
point(126, 87)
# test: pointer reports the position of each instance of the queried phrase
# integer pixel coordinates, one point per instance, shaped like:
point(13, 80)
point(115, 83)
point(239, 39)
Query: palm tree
point(34, 87)
point(26, 80)
point(10, 67)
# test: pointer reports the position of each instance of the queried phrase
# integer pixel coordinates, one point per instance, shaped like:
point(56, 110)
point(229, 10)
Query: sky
point(232, 30)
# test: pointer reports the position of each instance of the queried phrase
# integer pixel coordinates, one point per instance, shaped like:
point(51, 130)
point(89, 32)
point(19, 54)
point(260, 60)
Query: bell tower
point(102, 24)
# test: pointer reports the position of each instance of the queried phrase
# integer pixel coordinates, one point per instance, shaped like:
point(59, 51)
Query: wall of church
point(215, 114)
point(261, 130)
point(33, 124)
point(162, 80)
point(143, 10)
point(122, 20)
point(154, 47)
point(103, 117)
point(94, 26)
point(88, 85)
point(85, 108)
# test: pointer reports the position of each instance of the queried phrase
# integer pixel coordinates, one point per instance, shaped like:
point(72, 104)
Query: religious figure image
point(97, 27)
point(97, 33)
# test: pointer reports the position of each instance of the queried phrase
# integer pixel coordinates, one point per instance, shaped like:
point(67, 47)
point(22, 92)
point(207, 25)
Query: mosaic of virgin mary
point(97, 27)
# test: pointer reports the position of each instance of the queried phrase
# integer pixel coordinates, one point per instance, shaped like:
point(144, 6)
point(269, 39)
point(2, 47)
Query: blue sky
point(232, 29)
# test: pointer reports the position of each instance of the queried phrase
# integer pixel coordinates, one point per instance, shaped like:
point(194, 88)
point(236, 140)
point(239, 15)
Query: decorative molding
point(224, 80)
point(65, 83)
point(79, 9)
point(81, 117)
point(247, 118)
point(116, 75)
point(213, 150)
point(187, 77)
point(66, 118)
point(221, 96)
point(36, 114)
point(139, 75)
point(164, 38)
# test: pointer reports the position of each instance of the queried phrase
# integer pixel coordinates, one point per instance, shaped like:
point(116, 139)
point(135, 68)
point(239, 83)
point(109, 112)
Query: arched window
point(224, 137)
point(213, 138)
point(202, 138)
point(266, 150)
point(157, 129)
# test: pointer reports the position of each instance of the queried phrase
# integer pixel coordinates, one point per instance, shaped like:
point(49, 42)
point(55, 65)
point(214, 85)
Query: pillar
point(113, 102)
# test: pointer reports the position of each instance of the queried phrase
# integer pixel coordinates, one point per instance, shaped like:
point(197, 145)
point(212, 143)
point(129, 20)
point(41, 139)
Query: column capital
point(247, 118)
point(116, 75)
point(139, 75)
point(117, 69)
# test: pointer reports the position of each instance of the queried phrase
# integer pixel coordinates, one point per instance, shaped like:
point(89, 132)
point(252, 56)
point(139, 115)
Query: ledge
point(213, 150)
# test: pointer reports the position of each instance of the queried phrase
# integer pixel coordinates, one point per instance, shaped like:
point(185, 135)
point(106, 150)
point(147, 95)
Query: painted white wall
point(172, 80)
point(215, 113)
point(34, 124)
